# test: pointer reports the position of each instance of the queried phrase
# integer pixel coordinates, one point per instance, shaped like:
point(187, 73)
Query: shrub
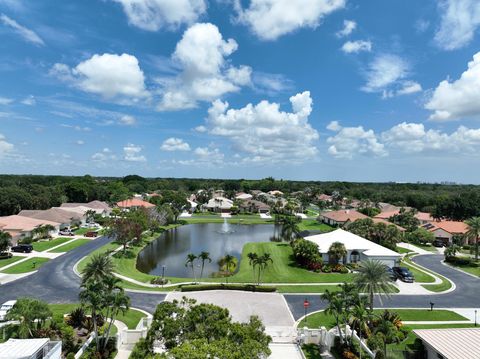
point(221, 286)
point(327, 268)
point(462, 261)
point(76, 318)
point(159, 281)
point(375, 342)
point(70, 356)
point(306, 253)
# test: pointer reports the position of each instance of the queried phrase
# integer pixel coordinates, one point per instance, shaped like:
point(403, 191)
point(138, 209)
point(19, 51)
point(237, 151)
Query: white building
point(358, 248)
point(455, 343)
point(219, 204)
point(30, 349)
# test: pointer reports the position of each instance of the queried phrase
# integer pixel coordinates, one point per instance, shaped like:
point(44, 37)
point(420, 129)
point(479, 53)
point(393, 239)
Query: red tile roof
point(343, 215)
point(134, 202)
point(452, 227)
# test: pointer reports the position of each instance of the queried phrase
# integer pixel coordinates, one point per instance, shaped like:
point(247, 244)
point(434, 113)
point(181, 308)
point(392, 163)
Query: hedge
point(221, 286)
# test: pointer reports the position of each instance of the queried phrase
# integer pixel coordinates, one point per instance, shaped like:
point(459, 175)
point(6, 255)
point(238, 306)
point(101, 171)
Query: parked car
point(391, 274)
point(5, 308)
point(66, 233)
point(91, 234)
point(5, 255)
point(438, 243)
point(404, 274)
point(23, 248)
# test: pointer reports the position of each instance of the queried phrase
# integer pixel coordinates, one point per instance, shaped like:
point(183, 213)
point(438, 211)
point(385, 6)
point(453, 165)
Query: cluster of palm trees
point(290, 229)
point(473, 233)
point(259, 263)
point(192, 258)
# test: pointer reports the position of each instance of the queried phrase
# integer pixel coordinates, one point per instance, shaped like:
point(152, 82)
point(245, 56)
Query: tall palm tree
point(229, 262)
point(290, 229)
point(388, 331)
point(31, 313)
point(99, 266)
point(253, 261)
point(5, 241)
point(359, 318)
point(262, 262)
point(336, 252)
point(204, 256)
point(190, 262)
point(335, 308)
point(474, 232)
point(372, 278)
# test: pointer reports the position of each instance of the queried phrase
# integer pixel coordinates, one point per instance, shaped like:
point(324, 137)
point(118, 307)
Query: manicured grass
point(283, 269)
point(129, 285)
point(445, 285)
point(130, 318)
point(82, 231)
point(402, 250)
point(313, 225)
point(27, 266)
point(44, 245)
point(420, 276)
point(240, 219)
point(429, 248)
point(467, 268)
point(6, 262)
point(320, 319)
point(316, 288)
point(72, 245)
point(109, 247)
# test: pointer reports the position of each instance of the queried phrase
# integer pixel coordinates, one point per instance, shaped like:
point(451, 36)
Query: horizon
point(344, 91)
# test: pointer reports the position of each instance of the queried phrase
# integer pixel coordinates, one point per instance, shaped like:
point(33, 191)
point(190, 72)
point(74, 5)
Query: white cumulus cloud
point(174, 144)
point(264, 133)
point(206, 75)
point(384, 71)
point(460, 19)
point(348, 27)
point(5, 146)
point(127, 120)
point(460, 98)
point(132, 153)
point(27, 34)
point(356, 46)
point(152, 15)
point(270, 19)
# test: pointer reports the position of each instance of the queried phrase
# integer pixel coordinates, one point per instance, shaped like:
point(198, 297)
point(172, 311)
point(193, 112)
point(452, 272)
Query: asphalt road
point(56, 282)
point(466, 294)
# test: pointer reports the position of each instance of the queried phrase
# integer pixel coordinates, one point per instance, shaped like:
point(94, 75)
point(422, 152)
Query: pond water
point(171, 248)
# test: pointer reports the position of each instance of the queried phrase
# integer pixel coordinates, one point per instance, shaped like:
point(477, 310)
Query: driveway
point(465, 295)
point(56, 282)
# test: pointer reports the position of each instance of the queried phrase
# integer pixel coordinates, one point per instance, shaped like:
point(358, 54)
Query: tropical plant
point(253, 262)
point(290, 228)
point(306, 253)
point(230, 263)
point(31, 314)
point(359, 318)
point(190, 262)
point(90, 215)
point(263, 261)
point(473, 233)
point(372, 278)
point(451, 251)
point(335, 308)
point(204, 256)
point(99, 266)
point(5, 241)
point(336, 252)
point(387, 332)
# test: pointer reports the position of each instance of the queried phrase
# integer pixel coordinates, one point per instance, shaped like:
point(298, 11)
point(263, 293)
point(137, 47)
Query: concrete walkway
point(124, 351)
point(413, 248)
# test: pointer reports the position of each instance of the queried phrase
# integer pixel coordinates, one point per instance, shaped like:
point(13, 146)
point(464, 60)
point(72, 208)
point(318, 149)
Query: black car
point(5, 255)
point(403, 274)
point(391, 274)
point(23, 248)
point(438, 243)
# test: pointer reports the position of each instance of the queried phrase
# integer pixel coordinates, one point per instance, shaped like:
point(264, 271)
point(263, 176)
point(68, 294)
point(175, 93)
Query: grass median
point(45, 245)
point(8, 261)
point(29, 265)
point(72, 245)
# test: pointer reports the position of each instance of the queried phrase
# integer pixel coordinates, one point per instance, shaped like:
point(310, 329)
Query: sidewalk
point(414, 248)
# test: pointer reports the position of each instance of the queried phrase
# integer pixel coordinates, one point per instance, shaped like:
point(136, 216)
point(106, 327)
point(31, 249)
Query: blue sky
point(297, 89)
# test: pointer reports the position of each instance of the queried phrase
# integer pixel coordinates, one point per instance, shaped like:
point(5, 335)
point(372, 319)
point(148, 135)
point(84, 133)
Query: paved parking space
point(270, 307)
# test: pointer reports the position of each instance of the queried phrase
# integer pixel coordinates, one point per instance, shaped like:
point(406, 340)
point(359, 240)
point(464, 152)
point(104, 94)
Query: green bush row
point(247, 287)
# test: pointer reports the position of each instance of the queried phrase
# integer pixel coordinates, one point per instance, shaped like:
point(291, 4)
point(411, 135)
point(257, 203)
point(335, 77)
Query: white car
point(5, 308)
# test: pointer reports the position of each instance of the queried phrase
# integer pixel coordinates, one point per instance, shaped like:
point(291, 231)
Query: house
point(99, 207)
point(424, 217)
point(134, 203)
point(218, 193)
point(446, 230)
point(358, 248)
point(243, 196)
point(340, 217)
point(275, 193)
point(193, 205)
point(325, 198)
point(56, 214)
point(31, 349)
point(379, 220)
point(254, 206)
point(20, 227)
point(452, 343)
point(219, 204)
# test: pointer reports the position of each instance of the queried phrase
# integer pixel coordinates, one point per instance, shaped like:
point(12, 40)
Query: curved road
point(466, 294)
point(56, 282)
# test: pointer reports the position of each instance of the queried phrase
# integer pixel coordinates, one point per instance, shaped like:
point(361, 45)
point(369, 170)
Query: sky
point(378, 90)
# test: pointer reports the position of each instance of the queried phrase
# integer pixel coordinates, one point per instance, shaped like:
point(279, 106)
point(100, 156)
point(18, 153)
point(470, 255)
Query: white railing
point(85, 346)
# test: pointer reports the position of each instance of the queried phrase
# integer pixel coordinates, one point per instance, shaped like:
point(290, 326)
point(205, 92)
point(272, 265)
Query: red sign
point(306, 303)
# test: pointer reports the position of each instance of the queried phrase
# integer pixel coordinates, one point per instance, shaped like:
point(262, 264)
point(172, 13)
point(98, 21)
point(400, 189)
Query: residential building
point(423, 217)
point(451, 343)
point(340, 217)
point(57, 214)
point(358, 248)
point(20, 227)
point(243, 196)
point(379, 220)
point(31, 349)
point(254, 206)
point(134, 203)
point(446, 230)
point(275, 193)
point(99, 207)
point(219, 204)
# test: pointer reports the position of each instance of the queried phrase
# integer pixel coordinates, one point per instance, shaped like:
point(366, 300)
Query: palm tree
point(372, 278)
point(92, 298)
point(190, 262)
point(5, 241)
point(253, 261)
point(290, 227)
point(204, 256)
point(388, 331)
point(474, 233)
point(336, 251)
point(99, 266)
point(90, 215)
point(262, 262)
point(229, 263)
point(359, 318)
point(335, 308)
point(31, 313)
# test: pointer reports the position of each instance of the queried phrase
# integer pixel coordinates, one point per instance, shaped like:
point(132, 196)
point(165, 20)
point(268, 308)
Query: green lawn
point(445, 285)
point(313, 225)
point(6, 262)
point(240, 219)
point(44, 245)
point(467, 268)
point(402, 250)
point(27, 266)
point(316, 288)
point(131, 318)
point(82, 231)
point(320, 319)
point(72, 245)
point(420, 276)
point(429, 248)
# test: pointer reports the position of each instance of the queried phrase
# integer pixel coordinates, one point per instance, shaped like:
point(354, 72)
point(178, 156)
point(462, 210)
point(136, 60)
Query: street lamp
point(163, 275)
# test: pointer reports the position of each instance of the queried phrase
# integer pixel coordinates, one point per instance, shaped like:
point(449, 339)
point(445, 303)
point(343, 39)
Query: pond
point(171, 248)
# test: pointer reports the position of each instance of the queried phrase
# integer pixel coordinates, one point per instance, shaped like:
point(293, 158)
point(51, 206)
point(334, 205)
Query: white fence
point(128, 337)
point(85, 346)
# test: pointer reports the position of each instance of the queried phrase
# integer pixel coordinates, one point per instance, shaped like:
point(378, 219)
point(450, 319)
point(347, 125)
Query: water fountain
point(225, 227)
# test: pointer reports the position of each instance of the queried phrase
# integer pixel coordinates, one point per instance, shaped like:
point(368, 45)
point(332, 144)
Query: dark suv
point(391, 274)
point(404, 274)
point(24, 248)
point(438, 243)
